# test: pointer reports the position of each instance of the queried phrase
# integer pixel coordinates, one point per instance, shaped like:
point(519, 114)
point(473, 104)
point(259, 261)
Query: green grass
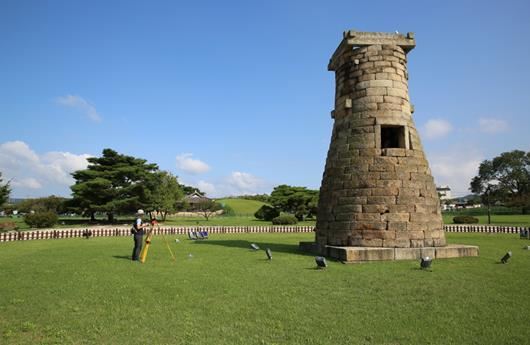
point(242, 206)
point(504, 219)
point(77, 291)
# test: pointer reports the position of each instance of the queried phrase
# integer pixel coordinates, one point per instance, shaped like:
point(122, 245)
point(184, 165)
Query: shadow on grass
point(121, 257)
point(274, 247)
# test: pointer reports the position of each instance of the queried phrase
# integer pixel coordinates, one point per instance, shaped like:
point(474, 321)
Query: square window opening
point(393, 137)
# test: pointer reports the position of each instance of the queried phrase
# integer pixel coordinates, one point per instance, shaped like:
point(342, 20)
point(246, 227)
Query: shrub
point(465, 220)
point(8, 226)
point(285, 219)
point(228, 211)
point(267, 213)
point(41, 219)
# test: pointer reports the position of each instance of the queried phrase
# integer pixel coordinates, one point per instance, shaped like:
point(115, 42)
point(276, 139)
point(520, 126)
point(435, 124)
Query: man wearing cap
point(138, 232)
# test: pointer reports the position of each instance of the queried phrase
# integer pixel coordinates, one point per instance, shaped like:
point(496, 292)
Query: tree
point(505, 178)
point(207, 208)
point(267, 213)
point(190, 190)
point(299, 201)
point(168, 194)
point(114, 183)
point(46, 204)
point(5, 190)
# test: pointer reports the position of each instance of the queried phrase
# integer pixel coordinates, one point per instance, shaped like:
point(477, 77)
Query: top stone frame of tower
point(354, 39)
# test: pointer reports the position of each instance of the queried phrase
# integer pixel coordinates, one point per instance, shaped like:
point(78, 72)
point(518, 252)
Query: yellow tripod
point(145, 249)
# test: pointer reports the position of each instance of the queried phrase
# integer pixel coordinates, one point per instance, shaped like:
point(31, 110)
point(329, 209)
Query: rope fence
point(183, 230)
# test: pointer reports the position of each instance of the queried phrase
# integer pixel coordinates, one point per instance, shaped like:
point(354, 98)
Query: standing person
point(138, 231)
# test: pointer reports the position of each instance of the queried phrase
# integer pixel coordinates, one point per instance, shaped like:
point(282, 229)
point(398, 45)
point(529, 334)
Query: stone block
point(416, 235)
point(396, 217)
point(396, 243)
point(389, 70)
point(376, 91)
point(417, 226)
point(370, 99)
point(401, 208)
point(380, 83)
point(369, 152)
point(370, 225)
point(420, 218)
point(407, 253)
point(381, 200)
point(368, 217)
point(386, 191)
point(417, 243)
point(388, 183)
point(389, 107)
point(439, 242)
point(382, 167)
point(409, 192)
point(394, 152)
point(456, 251)
point(375, 208)
point(409, 200)
point(382, 63)
point(398, 93)
point(428, 251)
point(345, 217)
point(351, 208)
point(377, 254)
point(373, 234)
point(397, 226)
point(366, 76)
point(397, 85)
point(376, 242)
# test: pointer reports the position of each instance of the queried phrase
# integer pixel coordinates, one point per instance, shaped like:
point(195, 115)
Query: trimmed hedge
point(41, 219)
point(285, 219)
point(465, 220)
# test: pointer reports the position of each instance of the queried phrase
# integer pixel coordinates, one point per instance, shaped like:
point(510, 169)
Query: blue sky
point(234, 96)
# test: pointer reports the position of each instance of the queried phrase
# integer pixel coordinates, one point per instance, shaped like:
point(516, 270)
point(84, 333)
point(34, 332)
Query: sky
point(234, 97)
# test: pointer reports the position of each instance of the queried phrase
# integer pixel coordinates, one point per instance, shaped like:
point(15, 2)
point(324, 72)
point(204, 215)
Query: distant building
point(195, 198)
point(444, 192)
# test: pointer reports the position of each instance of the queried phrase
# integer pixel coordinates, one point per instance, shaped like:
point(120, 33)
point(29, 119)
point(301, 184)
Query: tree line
point(120, 184)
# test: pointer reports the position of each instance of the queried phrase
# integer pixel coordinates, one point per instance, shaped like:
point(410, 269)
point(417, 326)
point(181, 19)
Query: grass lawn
point(242, 206)
point(502, 219)
point(77, 291)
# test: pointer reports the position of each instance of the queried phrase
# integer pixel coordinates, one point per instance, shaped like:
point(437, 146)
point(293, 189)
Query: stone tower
point(377, 189)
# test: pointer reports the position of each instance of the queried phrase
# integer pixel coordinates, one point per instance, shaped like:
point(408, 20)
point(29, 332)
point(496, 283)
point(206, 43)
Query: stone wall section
point(370, 195)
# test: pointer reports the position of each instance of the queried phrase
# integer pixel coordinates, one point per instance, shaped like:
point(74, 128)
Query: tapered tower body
point(377, 189)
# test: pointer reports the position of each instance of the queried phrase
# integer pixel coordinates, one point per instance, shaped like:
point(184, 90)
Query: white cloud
point(237, 183)
point(190, 165)
point(493, 125)
point(44, 174)
point(29, 182)
point(79, 103)
point(206, 187)
point(244, 183)
point(455, 169)
point(436, 128)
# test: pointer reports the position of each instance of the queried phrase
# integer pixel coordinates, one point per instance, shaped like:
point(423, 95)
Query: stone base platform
point(363, 254)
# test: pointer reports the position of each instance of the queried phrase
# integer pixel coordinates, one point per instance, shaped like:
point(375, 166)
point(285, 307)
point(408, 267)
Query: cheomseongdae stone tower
point(377, 189)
